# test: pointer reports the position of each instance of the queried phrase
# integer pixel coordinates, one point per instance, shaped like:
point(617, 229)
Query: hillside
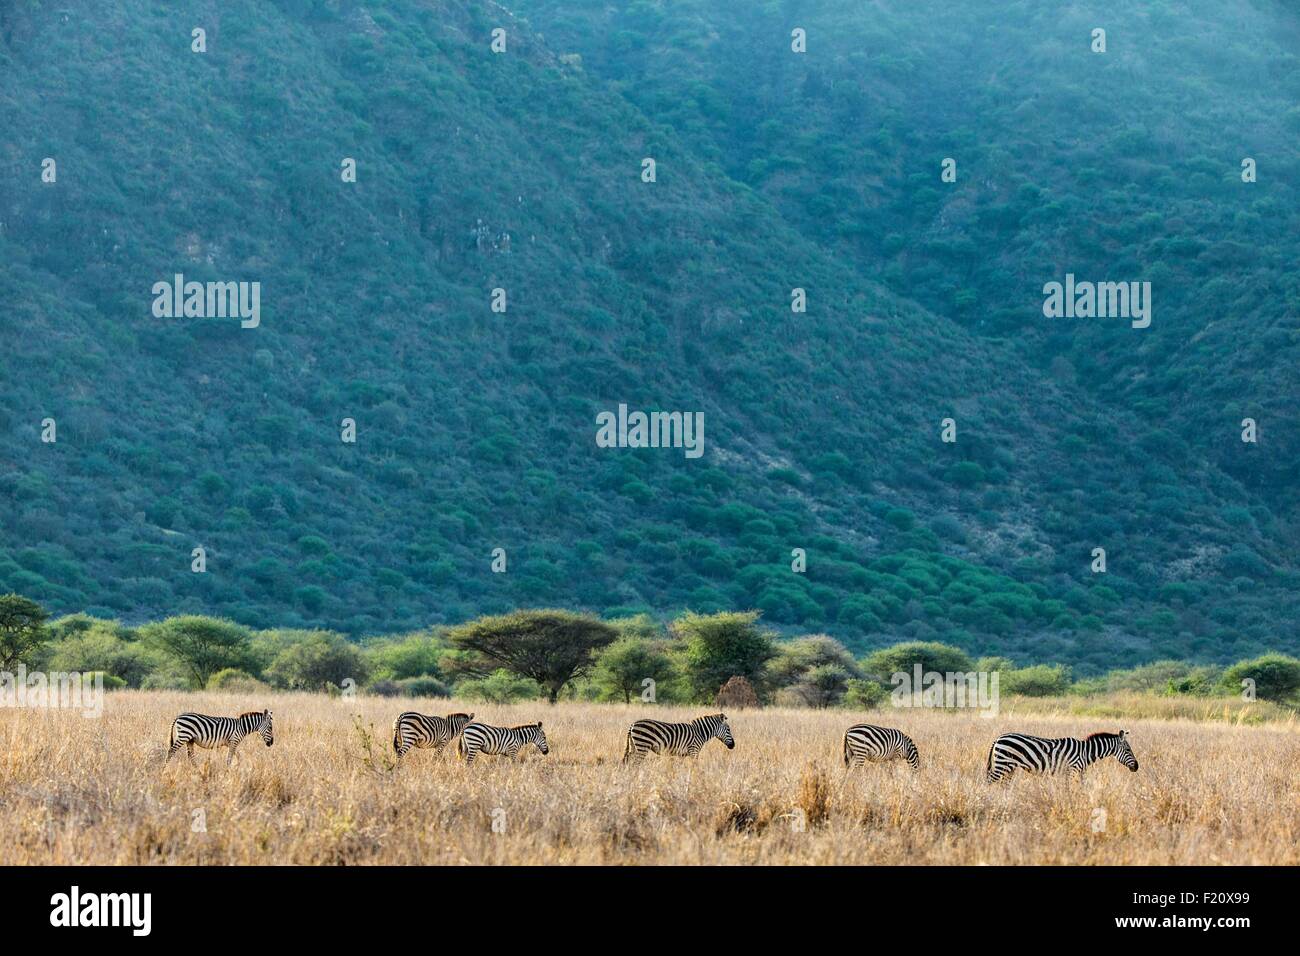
point(1118, 165)
point(476, 429)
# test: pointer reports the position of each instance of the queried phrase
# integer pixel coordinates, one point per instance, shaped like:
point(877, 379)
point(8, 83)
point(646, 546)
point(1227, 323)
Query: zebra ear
point(1123, 734)
point(539, 725)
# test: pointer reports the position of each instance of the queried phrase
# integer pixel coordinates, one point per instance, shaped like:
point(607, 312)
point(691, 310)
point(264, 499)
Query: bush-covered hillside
point(1118, 165)
point(476, 429)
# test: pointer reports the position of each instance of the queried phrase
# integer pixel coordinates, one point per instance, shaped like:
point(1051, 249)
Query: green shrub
point(931, 655)
point(1040, 680)
point(1275, 676)
point(232, 680)
point(863, 695)
point(500, 687)
point(423, 686)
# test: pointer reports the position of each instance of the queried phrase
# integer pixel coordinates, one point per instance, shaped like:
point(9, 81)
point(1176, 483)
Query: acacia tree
point(316, 663)
point(202, 645)
point(552, 647)
point(22, 629)
point(623, 668)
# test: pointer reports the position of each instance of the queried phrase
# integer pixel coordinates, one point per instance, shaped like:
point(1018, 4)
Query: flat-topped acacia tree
point(552, 647)
point(201, 645)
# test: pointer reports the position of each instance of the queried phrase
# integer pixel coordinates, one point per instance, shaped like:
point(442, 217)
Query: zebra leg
point(172, 750)
point(189, 751)
point(233, 745)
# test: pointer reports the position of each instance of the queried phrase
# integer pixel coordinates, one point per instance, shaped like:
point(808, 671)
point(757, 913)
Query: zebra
point(208, 732)
point(418, 730)
point(478, 739)
point(679, 740)
point(863, 742)
point(1047, 755)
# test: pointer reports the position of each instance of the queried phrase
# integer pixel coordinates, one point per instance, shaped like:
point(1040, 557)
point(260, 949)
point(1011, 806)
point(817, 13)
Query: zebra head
point(911, 754)
point(458, 722)
point(722, 730)
point(539, 738)
point(265, 728)
point(1124, 753)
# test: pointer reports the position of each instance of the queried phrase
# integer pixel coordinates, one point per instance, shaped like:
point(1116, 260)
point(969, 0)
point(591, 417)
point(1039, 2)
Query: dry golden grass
point(74, 790)
point(1119, 705)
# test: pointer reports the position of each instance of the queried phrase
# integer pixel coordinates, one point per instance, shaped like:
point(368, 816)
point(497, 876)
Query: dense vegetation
point(554, 654)
point(1118, 165)
point(522, 171)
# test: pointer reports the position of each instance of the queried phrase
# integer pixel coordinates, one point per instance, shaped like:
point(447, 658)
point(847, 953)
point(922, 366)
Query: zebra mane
point(450, 716)
point(1102, 733)
point(252, 713)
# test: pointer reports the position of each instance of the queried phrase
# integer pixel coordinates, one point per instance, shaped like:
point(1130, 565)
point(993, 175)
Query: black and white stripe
point(679, 740)
point(478, 739)
point(1011, 752)
point(425, 730)
point(189, 730)
point(863, 742)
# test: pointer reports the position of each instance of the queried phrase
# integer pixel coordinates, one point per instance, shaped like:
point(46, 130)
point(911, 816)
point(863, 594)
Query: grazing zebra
point(1045, 755)
point(679, 740)
point(478, 739)
point(418, 730)
point(207, 732)
point(863, 742)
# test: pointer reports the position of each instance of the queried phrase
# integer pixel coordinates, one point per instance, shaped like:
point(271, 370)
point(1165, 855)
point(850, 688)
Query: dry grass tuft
point(814, 797)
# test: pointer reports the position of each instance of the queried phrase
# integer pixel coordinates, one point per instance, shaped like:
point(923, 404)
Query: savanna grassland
point(76, 790)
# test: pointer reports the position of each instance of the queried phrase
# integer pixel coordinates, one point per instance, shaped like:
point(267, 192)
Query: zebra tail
point(846, 750)
point(396, 742)
point(171, 736)
point(627, 748)
point(988, 764)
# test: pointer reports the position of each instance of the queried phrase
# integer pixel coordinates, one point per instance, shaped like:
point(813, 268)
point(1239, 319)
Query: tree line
point(559, 654)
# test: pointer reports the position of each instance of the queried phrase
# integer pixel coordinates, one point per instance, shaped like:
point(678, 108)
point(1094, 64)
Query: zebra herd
point(862, 742)
point(423, 730)
point(1009, 753)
